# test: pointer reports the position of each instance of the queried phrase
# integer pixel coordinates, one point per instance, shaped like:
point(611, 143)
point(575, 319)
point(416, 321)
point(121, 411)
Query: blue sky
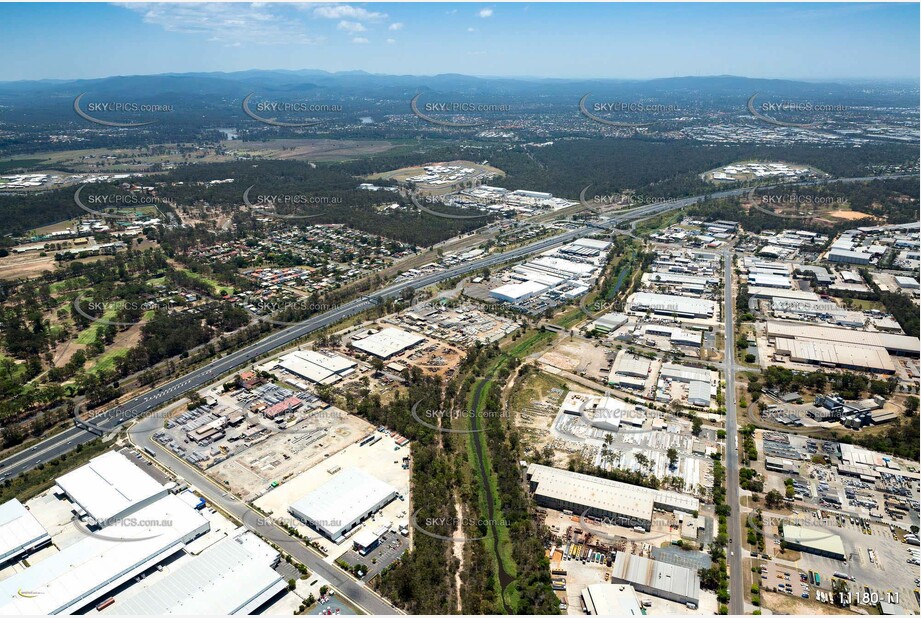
point(797, 41)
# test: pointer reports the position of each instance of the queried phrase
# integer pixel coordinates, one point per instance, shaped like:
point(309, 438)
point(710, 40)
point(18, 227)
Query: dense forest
point(653, 168)
point(667, 168)
point(332, 186)
point(892, 201)
point(423, 581)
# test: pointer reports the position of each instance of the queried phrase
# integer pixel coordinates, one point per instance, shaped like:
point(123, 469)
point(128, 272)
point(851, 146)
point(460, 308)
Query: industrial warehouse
point(814, 541)
point(87, 570)
point(317, 367)
point(661, 579)
point(343, 502)
point(387, 342)
point(621, 503)
point(109, 488)
point(162, 554)
point(843, 348)
point(233, 576)
point(559, 274)
point(20, 532)
point(672, 305)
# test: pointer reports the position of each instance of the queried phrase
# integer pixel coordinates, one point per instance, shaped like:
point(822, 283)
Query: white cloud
point(360, 40)
point(351, 26)
point(485, 13)
point(391, 41)
point(396, 26)
point(471, 29)
point(345, 11)
point(227, 23)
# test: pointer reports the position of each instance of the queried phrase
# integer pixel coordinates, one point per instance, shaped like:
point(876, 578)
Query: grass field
point(499, 539)
point(88, 335)
point(106, 361)
point(14, 370)
point(215, 286)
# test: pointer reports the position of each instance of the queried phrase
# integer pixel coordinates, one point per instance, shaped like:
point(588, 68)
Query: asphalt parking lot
point(390, 549)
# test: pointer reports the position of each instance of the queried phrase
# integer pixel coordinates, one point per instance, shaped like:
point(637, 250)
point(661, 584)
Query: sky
point(827, 41)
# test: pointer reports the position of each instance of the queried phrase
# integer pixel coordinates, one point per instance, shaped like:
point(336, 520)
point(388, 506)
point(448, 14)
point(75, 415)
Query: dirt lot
point(578, 356)
point(849, 215)
point(535, 404)
point(26, 265)
point(284, 455)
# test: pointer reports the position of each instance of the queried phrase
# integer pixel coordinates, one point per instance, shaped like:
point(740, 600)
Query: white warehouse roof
point(673, 305)
point(514, 292)
point(605, 494)
point(611, 600)
point(110, 486)
point(342, 501)
point(686, 374)
point(86, 571)
point(387, 342)
point(670, 580)
point(19, 531)
point(317, 367)
point(769, 280)
point(233, 576)
point(592, 243)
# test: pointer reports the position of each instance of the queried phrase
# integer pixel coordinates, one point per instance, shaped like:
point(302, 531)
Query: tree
point(672, 457)
point(773, 499)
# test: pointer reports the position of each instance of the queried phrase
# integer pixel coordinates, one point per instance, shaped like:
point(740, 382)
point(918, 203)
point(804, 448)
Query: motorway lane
point(66, 441)
point(110, 420)
point(736, 578)
point(141, 435)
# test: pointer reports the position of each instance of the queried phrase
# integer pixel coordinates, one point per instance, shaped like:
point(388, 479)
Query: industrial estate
point(377, 354)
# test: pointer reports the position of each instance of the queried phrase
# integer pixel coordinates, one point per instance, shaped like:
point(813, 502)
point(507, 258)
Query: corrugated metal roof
point(19, 530)
point(223, 579)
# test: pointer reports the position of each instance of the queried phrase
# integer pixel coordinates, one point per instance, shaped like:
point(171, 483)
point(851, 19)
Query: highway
point(111, 420)
point(67, 440)
point(736, 578)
